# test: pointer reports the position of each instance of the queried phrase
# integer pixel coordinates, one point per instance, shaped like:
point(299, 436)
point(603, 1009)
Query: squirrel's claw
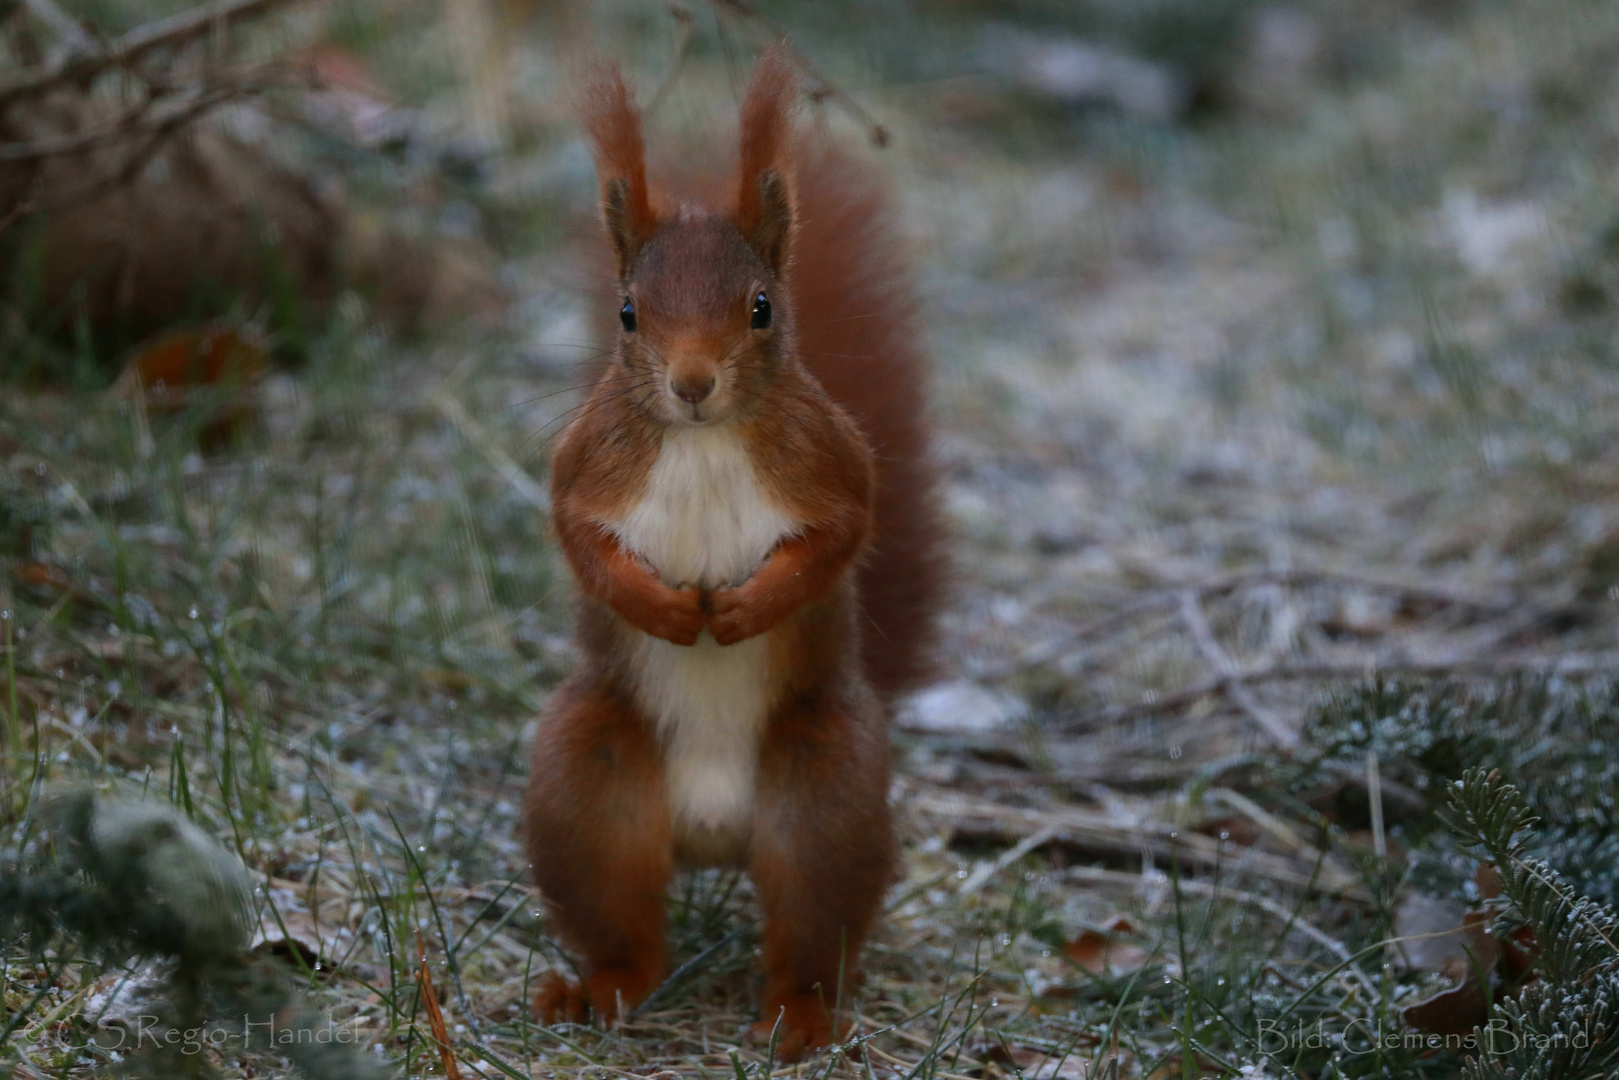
point(682, 621)
point(677, 616)
point(731, 618)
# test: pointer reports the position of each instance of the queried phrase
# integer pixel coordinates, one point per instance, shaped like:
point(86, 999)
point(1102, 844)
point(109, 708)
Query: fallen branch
point(1329, 670)
point(1101, 836)
point(1198, 626)
point(1166, 600)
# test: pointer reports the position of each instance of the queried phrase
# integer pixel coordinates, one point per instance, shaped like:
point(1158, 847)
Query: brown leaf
point(167, 367)
point(171, 372)
point(321, 938)
point(1456, 1011)
point(1101, 952)
point(53, 579)
point(1035, 1064)
point(42, 575)
point(1464, 1006)
point(1519, 949)
point(1236, 828)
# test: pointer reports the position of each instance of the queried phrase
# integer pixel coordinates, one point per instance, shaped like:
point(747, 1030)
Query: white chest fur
point(705, 521)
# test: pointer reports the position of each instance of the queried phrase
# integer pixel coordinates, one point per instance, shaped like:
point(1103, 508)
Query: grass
point(1266, 353)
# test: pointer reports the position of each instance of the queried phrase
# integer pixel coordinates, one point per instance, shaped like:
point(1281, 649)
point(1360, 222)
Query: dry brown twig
point(1203, 637)
point(1154, 841)
point(1503, 615)
point(823, 88)
point(80, 67)
point(435, 1017)
point(138, 120)
point(61, 24)
point(1324, 671)
point(1169, 599)
point(114, 142)
point(683, 18)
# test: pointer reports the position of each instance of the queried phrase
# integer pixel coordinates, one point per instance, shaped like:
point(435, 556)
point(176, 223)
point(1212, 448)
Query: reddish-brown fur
point(859, 333)
point(828, 401)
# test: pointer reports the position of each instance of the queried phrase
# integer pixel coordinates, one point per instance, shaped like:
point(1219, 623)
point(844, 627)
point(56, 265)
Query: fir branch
point(1565, 1025)
point(133, 881)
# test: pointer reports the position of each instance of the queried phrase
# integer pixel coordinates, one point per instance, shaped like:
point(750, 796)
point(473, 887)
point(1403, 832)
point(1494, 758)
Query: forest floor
point(1232, 414)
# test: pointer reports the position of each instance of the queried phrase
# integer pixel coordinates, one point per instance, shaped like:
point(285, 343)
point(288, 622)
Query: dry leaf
point(1035, 1064)
point(349, 98)
point(1471, 954)
point(1235, 828)
point(321, 939)
point(1428, 929)
point(52, 579)
point(1101, 952)
point(1519, 949)
point(167, 367)
point(42, 575)
point(172, 372)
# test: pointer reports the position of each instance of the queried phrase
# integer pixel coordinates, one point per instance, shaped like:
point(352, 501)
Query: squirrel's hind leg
point(600, 849)
point(823, 855)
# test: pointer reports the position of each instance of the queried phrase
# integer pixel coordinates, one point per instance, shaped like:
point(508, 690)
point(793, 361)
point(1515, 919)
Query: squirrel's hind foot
point(801, 1025)
point(603, 996)
point(559, 1000)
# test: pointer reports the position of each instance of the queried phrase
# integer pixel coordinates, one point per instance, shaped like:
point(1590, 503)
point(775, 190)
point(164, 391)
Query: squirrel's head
point(705, 319)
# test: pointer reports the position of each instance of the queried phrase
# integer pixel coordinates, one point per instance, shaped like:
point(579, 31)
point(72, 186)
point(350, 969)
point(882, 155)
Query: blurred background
point(1274, 352)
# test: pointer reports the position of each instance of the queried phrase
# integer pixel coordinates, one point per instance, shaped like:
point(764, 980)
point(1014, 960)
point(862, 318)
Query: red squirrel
point(750, 512)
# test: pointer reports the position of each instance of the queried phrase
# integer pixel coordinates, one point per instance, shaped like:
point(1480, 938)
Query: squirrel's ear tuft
point(764, 209)
point(610, 115)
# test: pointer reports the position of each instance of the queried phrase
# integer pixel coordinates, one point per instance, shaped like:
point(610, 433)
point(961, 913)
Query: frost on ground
point(1234, 408)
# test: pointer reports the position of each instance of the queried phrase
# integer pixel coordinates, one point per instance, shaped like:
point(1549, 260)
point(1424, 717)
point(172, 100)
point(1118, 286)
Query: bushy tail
point(860, 333)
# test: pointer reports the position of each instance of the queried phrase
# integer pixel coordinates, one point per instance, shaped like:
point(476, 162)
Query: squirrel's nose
point(694, 389)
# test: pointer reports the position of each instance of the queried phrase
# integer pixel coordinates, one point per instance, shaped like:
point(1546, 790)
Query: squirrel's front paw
point(732, 618)
point(677, 616)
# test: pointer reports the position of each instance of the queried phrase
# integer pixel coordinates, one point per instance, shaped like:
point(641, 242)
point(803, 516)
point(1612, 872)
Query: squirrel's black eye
point(626, 315)
point(761, 312)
